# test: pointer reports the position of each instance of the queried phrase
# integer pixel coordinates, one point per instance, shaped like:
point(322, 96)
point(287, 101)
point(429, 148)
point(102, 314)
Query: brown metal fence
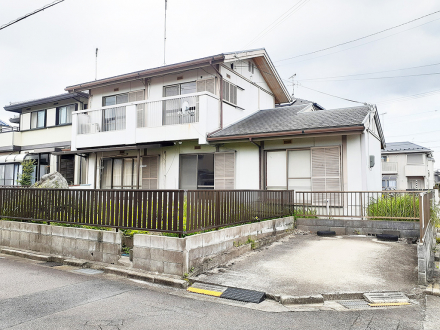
point(427, 200)
point(379, 205)
point(171, 211)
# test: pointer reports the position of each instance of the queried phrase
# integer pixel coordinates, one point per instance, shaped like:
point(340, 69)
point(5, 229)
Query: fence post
point(362, 206)
point(421, 217)
point(328, 207)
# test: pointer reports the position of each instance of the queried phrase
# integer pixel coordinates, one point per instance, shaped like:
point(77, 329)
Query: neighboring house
point(44, 127)
point(221, 122)
point(437, 178)
point(407, 166)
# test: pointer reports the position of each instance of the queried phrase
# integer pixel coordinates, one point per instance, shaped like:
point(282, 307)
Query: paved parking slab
point(306, 265)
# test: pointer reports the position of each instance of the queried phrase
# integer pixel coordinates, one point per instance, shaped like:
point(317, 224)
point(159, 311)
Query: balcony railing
point(389, 167)
point(102, 120)
point(6, 129)
point(170, 111)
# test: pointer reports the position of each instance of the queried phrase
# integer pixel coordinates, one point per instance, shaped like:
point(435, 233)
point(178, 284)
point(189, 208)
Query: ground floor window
point(83, 170)
point(9, 174)
point(119, 173)
point(41, 165)
point(207, 171)
point(416, 183)
point(389, 182)
point(150, 171)
point(308, 169)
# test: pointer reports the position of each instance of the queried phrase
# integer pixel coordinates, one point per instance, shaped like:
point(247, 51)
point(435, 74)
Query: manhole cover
point(89, 271)
point(386, 297)
point(354, 304)
point(51, 264)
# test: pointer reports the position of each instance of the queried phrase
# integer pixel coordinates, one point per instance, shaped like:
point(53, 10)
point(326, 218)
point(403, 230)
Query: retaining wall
point(425, 254)
point(177, 256)
point(361, 227)
point(88, 244)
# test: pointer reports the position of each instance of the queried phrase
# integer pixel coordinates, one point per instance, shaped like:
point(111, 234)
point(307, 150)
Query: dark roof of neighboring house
point(19, 106)
point(290, 119)
point(299, 101)
point(404, 147)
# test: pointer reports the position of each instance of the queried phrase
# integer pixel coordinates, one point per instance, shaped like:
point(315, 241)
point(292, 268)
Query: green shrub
point(388, 207)
point(27, 172)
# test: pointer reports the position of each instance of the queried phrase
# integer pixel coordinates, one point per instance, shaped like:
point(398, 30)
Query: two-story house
point(45, 127)
point(407, 166)
point(221, 122)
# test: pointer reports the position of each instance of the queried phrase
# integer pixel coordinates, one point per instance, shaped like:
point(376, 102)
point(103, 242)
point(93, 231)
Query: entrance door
point(67, 167)
point(150, 171)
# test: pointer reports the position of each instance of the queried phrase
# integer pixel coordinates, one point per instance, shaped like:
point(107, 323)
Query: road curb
point(302, 300)
point(115, 270)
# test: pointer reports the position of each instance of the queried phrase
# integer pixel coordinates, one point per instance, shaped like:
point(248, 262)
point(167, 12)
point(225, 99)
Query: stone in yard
point(52, 180)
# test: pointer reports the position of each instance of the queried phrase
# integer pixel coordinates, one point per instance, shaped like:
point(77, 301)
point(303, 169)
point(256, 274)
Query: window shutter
point(210, 85)
point(201, 86)
point(224, 170)
point(136, 96)
point(326, 172)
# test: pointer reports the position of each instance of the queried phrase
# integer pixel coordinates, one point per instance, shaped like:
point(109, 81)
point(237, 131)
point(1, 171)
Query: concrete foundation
point(402, 229)
point(177, 256)
point(425, 254)
point(88, 244)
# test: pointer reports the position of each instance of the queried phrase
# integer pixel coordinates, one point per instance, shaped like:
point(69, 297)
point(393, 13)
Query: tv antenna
point(165, 35)
point(96, 64)
point(292, 77)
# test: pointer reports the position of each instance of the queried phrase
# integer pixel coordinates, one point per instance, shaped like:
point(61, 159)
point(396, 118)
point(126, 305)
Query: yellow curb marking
point(389, 304)
point(207, 292)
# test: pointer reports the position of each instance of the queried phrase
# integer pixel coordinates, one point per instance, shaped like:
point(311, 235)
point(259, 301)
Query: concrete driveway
point(309, 264)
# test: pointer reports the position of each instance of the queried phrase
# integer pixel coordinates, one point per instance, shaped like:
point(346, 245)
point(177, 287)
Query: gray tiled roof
point(286, 119)
point(396, 147)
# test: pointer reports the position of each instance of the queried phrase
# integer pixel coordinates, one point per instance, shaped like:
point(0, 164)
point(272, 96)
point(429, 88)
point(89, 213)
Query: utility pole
point(165, 35)
point(96, 64)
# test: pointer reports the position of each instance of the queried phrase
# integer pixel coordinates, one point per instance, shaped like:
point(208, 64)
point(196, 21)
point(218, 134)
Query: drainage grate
point(89, 271)
point(354, 304)
point(51, 264)
point(385, 297)
point(244, 295)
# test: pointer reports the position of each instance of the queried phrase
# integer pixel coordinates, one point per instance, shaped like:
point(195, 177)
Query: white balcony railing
point(389, 167)
point(175, 111)
point(180, 117)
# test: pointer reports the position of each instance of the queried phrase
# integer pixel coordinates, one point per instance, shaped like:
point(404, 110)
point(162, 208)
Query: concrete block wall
point(176, 256)
point(363, 227)
point(425, 255)
point(88, 244)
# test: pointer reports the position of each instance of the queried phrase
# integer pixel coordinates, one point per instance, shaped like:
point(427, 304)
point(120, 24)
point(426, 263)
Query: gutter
point(221, 93)
point(288, 133)
point(144, 73)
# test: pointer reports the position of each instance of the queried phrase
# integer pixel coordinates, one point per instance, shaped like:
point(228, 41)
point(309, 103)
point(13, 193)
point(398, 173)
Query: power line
point(363, 74)
point(30, 14)
point(280, 19)
point(342, 98)
point(438, 130)
point(357, 39)
point(376, 78)
point(412, 114)
point(413, 96)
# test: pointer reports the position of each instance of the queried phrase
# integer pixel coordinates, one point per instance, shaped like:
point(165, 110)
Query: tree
point(26, 173)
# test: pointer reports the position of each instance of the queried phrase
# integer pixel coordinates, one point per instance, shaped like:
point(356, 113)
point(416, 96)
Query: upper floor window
point(38, 119)
point(229, 92)
point(64, 114)
point(123, 98)
point(251, 67)
point(384, 158)
point(415, 159)
point(180, 89)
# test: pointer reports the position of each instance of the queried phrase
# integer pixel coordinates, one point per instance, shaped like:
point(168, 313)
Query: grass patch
point(390, 207)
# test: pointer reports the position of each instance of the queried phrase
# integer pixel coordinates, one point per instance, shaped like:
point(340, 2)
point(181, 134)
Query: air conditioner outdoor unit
point(94, 128)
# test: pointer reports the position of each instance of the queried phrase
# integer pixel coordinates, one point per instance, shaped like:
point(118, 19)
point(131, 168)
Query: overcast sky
point(44, 53)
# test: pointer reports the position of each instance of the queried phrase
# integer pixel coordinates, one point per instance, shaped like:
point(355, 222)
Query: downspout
point(259, 162)
point(221, 93)
point(96, 169)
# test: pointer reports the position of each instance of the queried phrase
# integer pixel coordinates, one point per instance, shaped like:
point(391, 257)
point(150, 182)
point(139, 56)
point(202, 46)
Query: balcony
point(10, 137)
point(174, 118)
point(389, 168)
point(416, 170)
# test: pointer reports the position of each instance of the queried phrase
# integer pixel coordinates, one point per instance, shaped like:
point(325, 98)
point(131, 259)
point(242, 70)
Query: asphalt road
point(35, 296)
